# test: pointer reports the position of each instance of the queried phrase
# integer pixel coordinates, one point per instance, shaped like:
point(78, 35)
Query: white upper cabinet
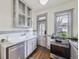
point(22, 14)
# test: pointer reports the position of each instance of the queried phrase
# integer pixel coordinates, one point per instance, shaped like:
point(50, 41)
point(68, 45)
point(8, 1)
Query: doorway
point(42, 30)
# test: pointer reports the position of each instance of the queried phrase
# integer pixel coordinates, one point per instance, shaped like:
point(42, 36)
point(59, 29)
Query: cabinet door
point(16, 52)
point(31, 46)
point(74, 53)
point(21, 14)
point(26, 48)
point(34, 44)
point(29, 49)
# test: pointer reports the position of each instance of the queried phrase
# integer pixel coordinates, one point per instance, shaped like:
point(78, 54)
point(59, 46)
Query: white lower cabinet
point(74, 52)
point(19, 50)
point(22, 51)
point(31, 46)
point(34, 44)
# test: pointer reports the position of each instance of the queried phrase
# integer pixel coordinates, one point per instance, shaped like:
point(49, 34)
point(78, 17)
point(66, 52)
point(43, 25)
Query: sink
point(3, 41)
point(3, 38)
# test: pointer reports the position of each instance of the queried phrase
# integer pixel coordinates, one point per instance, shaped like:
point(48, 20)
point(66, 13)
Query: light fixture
point(43, 2)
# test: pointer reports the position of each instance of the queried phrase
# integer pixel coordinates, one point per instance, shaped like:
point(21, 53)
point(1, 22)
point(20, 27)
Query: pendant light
point(43, 2)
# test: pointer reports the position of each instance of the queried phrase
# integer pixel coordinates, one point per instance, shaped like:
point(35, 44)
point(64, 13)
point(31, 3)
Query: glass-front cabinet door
point(22, 14)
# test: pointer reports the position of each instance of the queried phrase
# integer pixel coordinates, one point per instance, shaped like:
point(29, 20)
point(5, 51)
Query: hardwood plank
point(40, 53)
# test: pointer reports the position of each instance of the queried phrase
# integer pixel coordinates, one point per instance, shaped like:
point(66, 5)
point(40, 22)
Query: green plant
point(64, 35)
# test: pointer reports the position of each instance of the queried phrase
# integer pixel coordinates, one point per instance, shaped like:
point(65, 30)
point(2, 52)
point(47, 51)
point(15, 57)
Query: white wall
point(5, 13)
point(51, 11)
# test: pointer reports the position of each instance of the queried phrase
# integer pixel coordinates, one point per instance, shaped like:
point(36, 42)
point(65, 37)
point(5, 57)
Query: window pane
point(21, 20)
point(21, 7)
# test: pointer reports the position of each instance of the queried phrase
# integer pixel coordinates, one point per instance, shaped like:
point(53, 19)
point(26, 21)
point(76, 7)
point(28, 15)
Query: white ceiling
point(35, 4)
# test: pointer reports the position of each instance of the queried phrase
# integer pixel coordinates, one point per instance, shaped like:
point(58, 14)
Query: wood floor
point(40, 53)
point(43, 53)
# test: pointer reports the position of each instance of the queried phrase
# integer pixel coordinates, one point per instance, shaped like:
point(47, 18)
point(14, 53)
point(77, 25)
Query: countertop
point(14, 42)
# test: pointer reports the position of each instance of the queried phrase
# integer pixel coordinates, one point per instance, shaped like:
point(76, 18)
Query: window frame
point(60, 12)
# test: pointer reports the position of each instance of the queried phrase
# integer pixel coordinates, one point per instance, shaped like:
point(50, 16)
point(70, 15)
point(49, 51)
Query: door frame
point(42, 15)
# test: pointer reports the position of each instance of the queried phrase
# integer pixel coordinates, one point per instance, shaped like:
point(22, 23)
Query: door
point(42, 29)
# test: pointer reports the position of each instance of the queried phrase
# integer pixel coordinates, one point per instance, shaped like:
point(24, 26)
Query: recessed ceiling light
point(43, 2)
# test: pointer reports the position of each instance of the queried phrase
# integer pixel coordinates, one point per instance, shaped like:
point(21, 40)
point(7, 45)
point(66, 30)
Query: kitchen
point(25, 25)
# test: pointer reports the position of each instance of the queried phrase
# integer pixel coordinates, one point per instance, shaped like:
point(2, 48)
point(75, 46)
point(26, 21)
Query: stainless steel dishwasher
point(16, 51)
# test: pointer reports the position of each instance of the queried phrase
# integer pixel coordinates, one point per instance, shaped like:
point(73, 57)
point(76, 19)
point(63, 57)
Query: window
point(63, 22)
